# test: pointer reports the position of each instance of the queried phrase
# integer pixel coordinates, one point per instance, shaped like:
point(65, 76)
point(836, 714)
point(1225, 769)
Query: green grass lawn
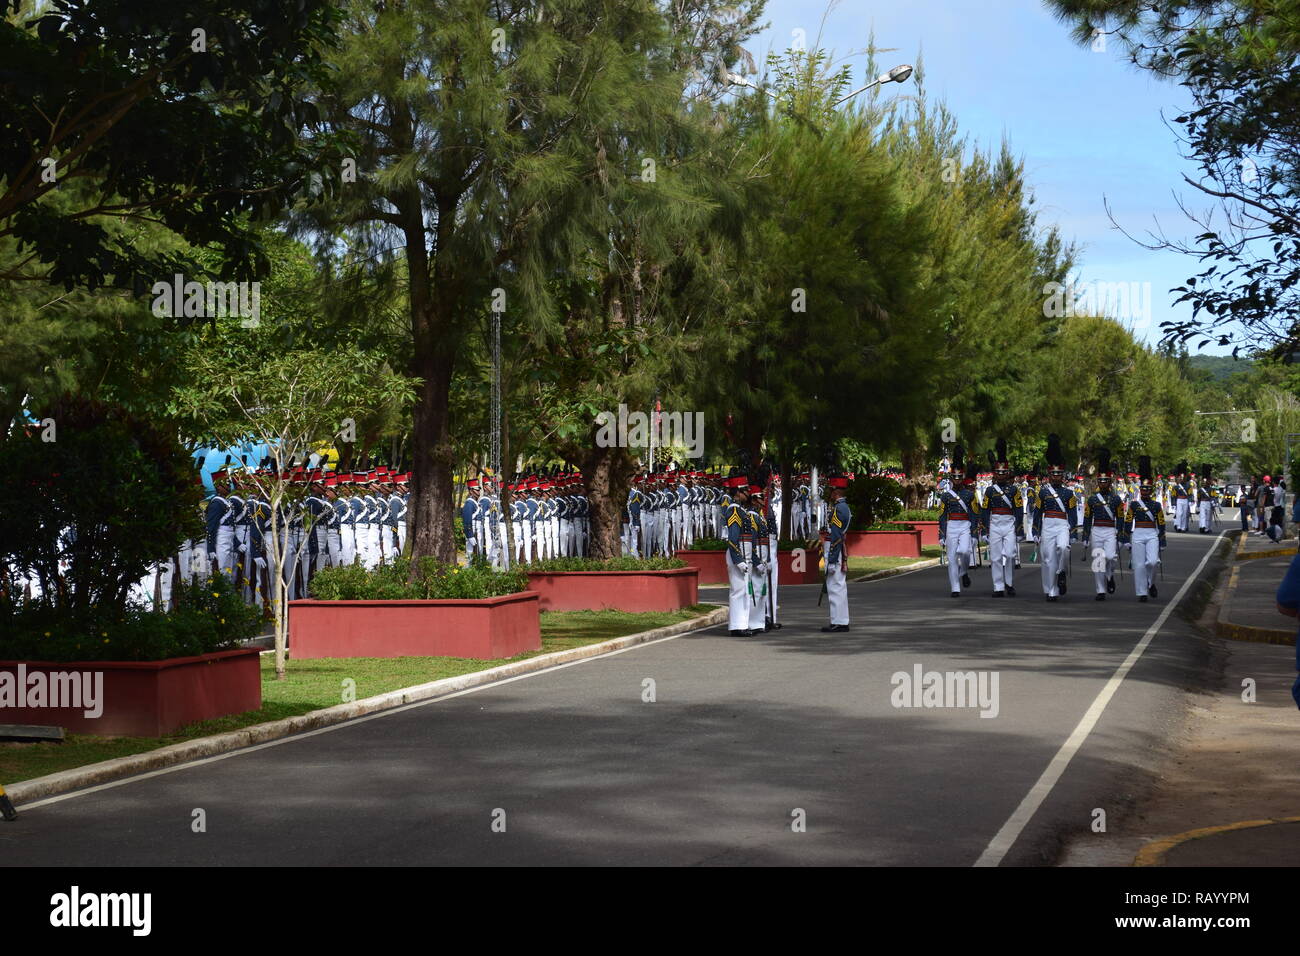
point(860, 566)
point(311, 685)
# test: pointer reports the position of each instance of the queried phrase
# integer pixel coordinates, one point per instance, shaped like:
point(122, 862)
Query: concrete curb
point(1228, 630)
point(901, 569)
point(105, 771)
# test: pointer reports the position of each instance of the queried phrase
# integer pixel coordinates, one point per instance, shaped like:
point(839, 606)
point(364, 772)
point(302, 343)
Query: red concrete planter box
point(485, 630)
point(872, 544)
point(712, 566)
point(929, 531)
point(632, 591)
point(145, 698)
point(809, 574)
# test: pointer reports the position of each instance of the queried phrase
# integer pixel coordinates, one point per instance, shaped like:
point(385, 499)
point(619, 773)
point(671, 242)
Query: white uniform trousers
point(837, 591)
point(1146, 558)
point(776, 575)
point(737, 595)
point(1003, 550)
point(1181, 511)
point(958, 544)
point(1207, 513)
point(226, 548)
point(333, 547)
point(1103, 552)
point(1054, 552)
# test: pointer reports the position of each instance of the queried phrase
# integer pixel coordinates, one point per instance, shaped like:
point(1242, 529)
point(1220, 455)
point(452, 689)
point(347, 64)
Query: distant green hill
point(1219, 366)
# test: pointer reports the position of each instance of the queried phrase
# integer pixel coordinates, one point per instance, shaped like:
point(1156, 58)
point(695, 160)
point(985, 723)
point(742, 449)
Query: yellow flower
point(103, 633)
point(47, 633)
point(215, 594)
point(105, 640)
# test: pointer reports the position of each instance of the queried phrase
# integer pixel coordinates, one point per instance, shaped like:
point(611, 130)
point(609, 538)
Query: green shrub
point(887, 526)
point(434, 581)
point(918, 514)
point(607, 564)
point(873, 498)
point(209, 616)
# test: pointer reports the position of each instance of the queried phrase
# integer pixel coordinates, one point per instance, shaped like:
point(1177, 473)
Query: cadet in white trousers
point(959, 520)
point(1054, 515)
point(1146, 523)
point(1103, 522)
point(1002, 507)
point(837, 523)
point(738, 558)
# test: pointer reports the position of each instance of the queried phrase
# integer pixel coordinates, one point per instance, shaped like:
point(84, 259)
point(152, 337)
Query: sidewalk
point(1249, 608)
point(1232, 794)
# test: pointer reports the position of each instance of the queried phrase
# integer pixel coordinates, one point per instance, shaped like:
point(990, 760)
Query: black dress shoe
point(1100, 596)
point(1011, 592)
point(1152, 591)
point(1110, 585)
point(834, 628)
point(999, 593)
point(965, 580)
point(1143, 599)
point(956, 594)
point(739, 633)
point(1052, 597)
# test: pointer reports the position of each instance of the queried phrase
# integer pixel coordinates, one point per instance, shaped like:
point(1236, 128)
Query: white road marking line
point(1007, 836)
point(350, 723)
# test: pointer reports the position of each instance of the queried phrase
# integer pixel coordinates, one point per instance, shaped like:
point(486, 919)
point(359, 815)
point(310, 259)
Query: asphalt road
point(743, 732)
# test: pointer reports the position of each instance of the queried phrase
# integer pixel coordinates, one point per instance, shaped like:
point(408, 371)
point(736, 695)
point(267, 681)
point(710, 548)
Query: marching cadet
point(739, 568)
point(347, 517)
point(1053, 522)
point(959, 520)
point(314, 509)
point(838, 517)
point(519, 516)
point(469, 520)
point(759, 561)
point(1146, 533)
point(220, 526)
point(1103, 520)
point(632, 519)
point(1003, 503)
point(402, 486)
point(1205, 503)
point(648, 529)
point(333, 537)
point(482, 524)
point(771, 516)
point(1180, 499)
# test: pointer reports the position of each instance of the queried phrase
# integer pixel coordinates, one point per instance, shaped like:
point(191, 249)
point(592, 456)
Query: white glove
point(743, 566)
point(760, 568)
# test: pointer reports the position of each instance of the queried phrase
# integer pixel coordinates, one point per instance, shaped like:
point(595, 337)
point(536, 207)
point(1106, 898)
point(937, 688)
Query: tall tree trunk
point(913, 466)
point(605, 474)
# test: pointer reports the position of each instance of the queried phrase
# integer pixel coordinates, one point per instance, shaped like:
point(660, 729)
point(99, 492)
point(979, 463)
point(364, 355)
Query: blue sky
point(1087, 124)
